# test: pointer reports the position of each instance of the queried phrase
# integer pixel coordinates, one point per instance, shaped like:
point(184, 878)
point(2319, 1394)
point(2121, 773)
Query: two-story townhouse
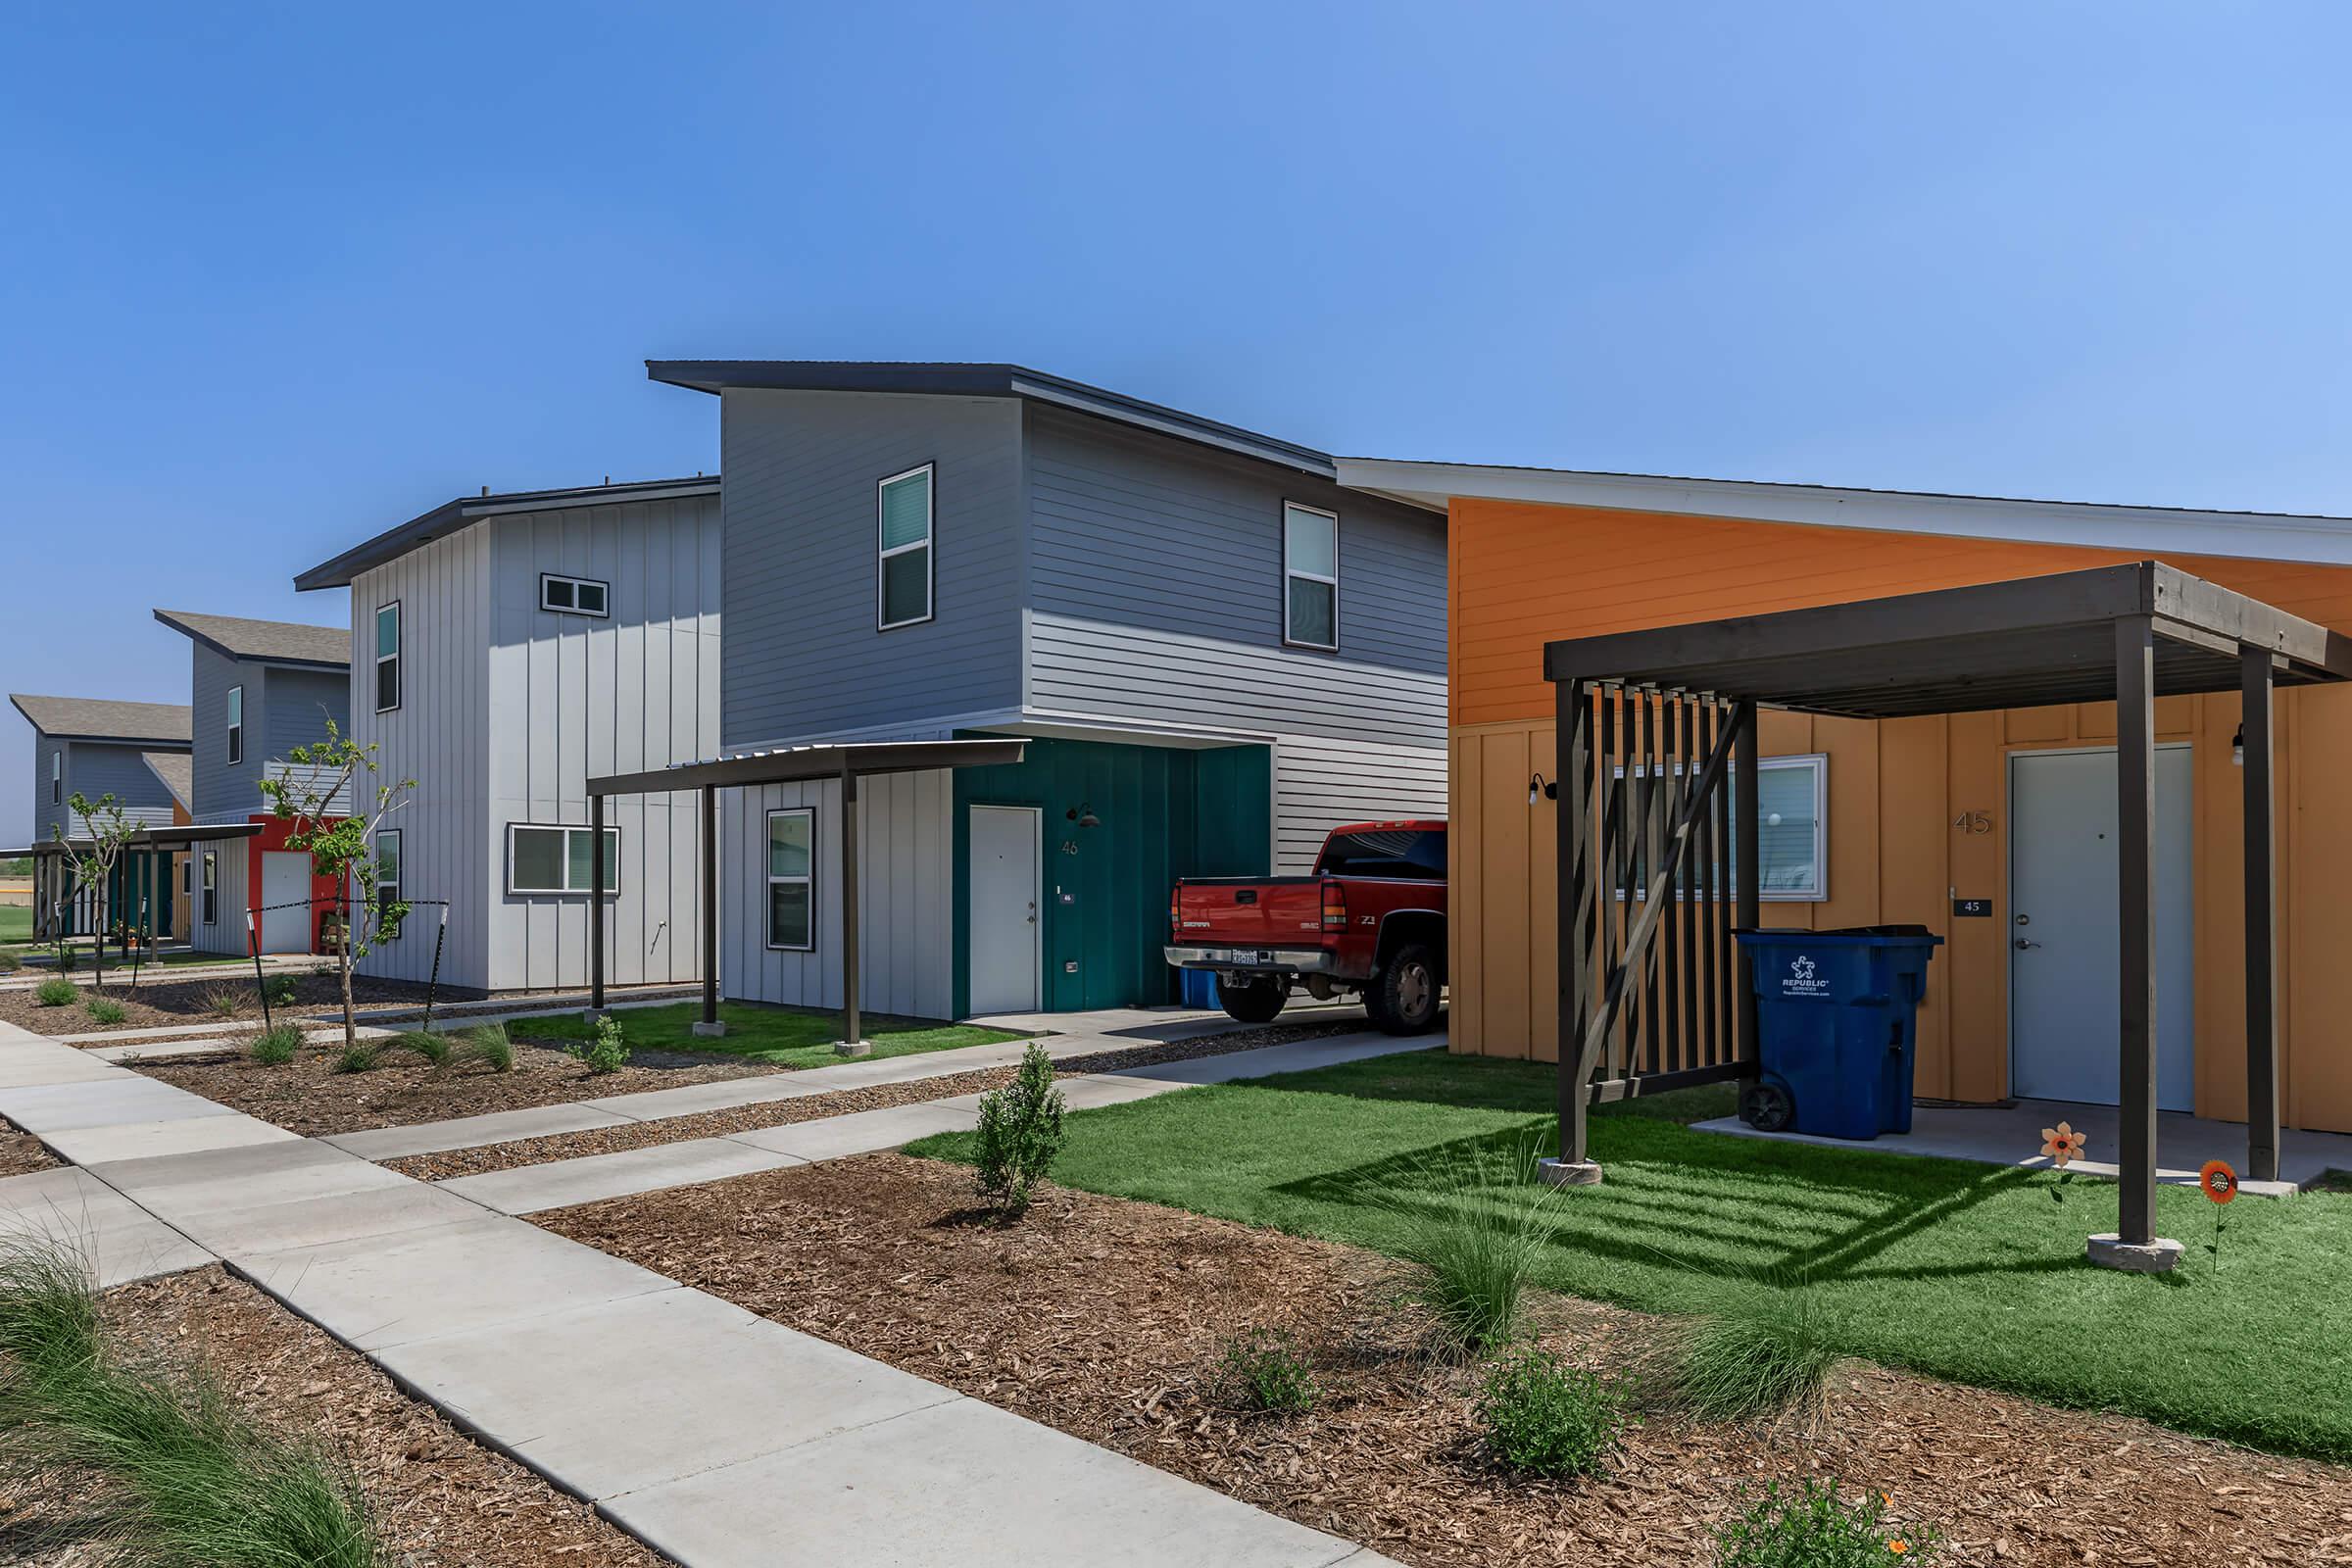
point(257, 689)
point(504, 649)
point(1217, 653)
point(95, 747)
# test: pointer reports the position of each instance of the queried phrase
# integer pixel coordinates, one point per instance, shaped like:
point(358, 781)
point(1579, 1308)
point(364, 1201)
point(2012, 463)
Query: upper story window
point(903, 595)
point(57, 778)
point(1310, 576)
point(573, 596)
point(387, 656)
point(236, 726)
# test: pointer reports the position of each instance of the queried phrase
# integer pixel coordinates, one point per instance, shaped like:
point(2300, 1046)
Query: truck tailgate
point(1259, 912)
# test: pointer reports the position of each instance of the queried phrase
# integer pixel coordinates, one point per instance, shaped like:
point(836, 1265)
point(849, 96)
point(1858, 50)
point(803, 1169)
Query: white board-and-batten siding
point(907, 927)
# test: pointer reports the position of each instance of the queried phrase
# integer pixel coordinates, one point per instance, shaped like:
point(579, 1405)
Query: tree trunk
point(343, 945)
point(100, 908)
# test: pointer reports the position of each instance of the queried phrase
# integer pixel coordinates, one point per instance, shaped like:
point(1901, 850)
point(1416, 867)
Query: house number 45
point(1972, 822)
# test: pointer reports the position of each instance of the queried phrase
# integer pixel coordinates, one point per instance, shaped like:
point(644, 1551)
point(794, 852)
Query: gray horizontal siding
point(801, 469)
point(296, 705)
point(219, 790)
point(1319, 784)
point(906, 897)
point(1163, 536)
point(97, 769)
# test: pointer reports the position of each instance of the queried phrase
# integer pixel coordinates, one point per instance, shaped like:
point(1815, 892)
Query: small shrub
point(1764, 1356)
point(605, 1051)
point(1469, 1257)
point(1546, 1417)
point(433, 1048)
point(1019, 1135)
point(9, 962)
point(360, 1055)
point(106, 1011)
point(280, 990)
point(490, 1045)
point(275, 1048)
point(56, 992)
point(1263, 1370)
point(66, 960)
point(223, 1002)
point(1813, 1527)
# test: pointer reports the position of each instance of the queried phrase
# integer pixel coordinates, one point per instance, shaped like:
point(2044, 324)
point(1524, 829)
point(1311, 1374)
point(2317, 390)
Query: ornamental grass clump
point(105, 1010)
point(489, 1044)
point(55, 992)
point(1470, 1242)
point(1545, 1417)
point(172, 1472)
point(222, 1001)
point(276, 1047)
point(1763, 1354)
point(1264, 1370)
point(1812, 1526)
point(1019, 1135)
point(433, 1048)
point(360, 1055)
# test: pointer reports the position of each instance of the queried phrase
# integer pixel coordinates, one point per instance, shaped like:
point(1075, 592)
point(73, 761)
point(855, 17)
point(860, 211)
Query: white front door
point(285, 906)
point(1006, 880)
point(2065, 1020)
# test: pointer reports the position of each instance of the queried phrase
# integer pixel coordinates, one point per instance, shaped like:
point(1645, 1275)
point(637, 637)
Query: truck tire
point(1254, 1002)
point(1402, 999)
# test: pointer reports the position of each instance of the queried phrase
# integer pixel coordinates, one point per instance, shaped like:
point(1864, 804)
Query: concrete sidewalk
point(718, 1436)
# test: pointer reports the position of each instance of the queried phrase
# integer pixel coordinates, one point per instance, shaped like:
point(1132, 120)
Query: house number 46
point(1972, 822)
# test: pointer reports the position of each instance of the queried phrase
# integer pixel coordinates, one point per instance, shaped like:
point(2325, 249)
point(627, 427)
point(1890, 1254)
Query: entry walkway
point(718, 1436)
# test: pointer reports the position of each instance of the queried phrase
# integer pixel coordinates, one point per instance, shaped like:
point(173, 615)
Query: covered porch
point(1660, 834)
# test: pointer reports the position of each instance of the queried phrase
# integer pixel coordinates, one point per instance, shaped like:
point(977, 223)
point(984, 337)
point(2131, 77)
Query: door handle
point(2022, 944)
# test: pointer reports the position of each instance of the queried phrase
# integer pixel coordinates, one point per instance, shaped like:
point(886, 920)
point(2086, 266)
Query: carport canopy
point(2131, 633)
point(154, 841)
point(794, 765)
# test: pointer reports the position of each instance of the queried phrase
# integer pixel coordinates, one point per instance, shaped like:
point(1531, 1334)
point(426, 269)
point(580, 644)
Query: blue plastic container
point(1837, 1027)
point(1197, 987)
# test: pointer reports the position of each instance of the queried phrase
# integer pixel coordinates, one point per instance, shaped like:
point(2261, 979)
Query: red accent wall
point(273, 837)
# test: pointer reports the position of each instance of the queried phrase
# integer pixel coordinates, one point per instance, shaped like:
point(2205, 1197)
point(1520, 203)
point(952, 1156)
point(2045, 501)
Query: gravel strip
point(22, 1153)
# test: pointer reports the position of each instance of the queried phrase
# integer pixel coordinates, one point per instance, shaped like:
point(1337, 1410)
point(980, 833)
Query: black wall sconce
point(2237, 748)
point(1538, 788)
point(1084, 815)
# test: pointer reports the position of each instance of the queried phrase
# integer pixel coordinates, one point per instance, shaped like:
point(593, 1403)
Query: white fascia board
point(2133, 530)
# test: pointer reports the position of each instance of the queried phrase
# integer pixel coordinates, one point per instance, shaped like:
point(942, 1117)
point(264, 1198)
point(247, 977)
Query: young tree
point(92, 863)
point(341, 845)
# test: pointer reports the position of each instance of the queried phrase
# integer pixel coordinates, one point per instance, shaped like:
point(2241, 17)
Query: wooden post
point(2262, 962)
point(710, 905)
point(853, 1027)
point(2135, 925)
point(596, 903)
point(1747, 849)
point(1573, 835)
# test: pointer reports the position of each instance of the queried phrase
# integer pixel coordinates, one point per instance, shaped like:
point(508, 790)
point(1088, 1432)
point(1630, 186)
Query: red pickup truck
point(1371, 920)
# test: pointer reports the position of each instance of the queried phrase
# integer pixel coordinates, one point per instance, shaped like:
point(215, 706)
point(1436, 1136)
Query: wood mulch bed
point(156, 1003)
point(1106, 1318)
point(443, 1165)
point(439, 1500)
point(22, 1153)
point(306, 1096)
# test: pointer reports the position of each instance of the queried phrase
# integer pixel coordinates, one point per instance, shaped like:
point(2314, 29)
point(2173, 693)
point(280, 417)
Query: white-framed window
point(57, 778)
point(387, 656)
point(542, 858)
point(792, 879)
point(1794, 795)
point(574, 595)
point(904, 577)
point(1310, 576)
point(236, 726)
point(387, 868)
point(212, 887)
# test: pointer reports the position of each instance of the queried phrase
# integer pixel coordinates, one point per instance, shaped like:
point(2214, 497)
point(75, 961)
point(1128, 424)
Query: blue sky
point(272, 280)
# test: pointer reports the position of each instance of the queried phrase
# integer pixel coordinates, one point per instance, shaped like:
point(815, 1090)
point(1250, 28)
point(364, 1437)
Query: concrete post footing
point(1568, 1172)
point(715, 1030)
point(853, 1048)
point(2110, 1251)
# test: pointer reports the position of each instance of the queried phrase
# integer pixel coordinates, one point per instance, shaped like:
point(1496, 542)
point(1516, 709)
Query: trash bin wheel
point(1766, 1107)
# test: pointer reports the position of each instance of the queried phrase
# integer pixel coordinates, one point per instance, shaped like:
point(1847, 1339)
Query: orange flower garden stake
point(2220, 1182)
point(2061, 1145)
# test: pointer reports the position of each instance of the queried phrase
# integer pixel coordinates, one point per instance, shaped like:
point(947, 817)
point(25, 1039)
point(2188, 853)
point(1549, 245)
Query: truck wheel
point(1402, 999)
point(1258, 1001)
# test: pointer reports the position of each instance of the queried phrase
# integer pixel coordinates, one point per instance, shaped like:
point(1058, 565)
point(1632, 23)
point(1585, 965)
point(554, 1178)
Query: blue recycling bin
point(1837, 1028)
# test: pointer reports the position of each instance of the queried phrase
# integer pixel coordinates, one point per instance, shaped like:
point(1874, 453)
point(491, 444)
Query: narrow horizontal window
point(792, 879)
point(1310, 577)
point(906, 577)
point(573, 596)
point(558, 859)
point(1793, 800)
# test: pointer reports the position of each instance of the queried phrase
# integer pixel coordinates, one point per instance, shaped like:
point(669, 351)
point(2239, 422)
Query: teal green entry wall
point(131, 891)
point(1164, 813)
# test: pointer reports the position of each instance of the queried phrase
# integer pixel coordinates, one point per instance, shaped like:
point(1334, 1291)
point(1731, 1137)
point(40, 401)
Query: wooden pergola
point(796, 764)
point(1659, 775)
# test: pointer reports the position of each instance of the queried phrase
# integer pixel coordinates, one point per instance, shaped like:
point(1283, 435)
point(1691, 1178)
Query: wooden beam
point(2135, 924)
point(2262, 961)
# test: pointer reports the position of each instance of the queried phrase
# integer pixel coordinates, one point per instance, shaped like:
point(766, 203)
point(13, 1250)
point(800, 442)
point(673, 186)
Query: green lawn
point(1965, 1271)
point(16, 922)
point(790, 1037)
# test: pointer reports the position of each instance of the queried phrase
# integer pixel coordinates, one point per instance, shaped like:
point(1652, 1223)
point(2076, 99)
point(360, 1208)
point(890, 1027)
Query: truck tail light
point(1335, 907)
point(1175, 913)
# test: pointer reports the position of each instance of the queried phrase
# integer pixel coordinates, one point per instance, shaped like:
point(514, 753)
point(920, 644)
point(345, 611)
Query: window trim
point(57, 776)
point(1289, 571)
point(236, 724)
point(1818, 891)
point(930, 543)
point(576, 584)
point(768, 879)
point(400, 647)
point(208, 888)
point(400, 851)
point(612, 859)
